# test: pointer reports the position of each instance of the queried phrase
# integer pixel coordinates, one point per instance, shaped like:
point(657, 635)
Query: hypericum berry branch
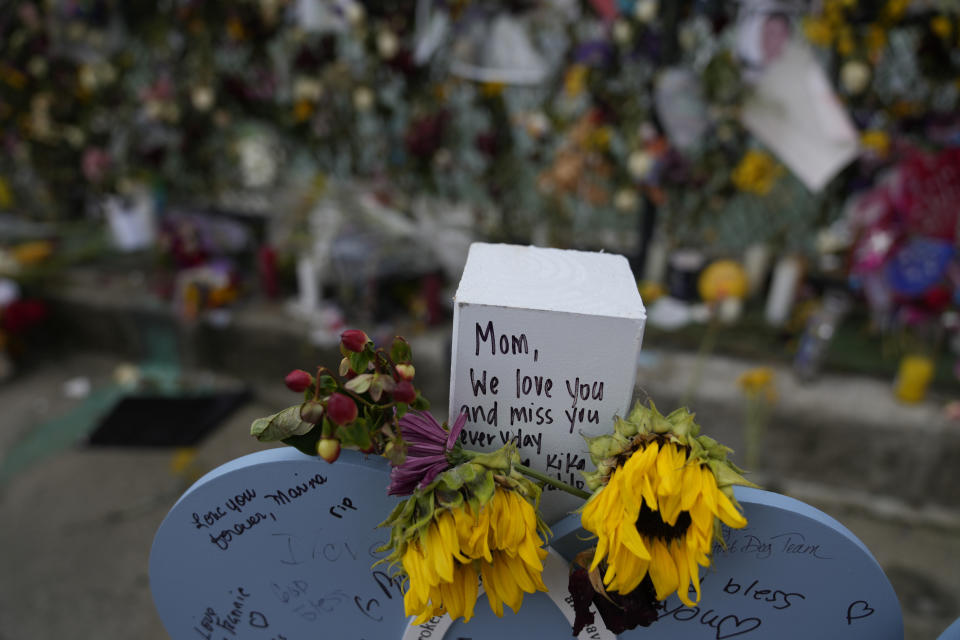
point(358, 406)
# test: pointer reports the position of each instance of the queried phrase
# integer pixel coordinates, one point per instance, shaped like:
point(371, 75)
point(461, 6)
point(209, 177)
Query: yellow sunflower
point(476, 520)
point(661, 492)
point(500, 543)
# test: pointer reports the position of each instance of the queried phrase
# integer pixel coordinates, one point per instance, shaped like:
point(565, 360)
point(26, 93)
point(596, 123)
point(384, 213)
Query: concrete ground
point(78, 521)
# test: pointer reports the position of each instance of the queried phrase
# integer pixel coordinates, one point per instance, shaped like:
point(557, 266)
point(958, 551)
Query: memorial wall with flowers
point(636, 126)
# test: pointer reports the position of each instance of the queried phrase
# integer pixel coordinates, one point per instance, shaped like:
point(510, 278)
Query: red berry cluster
point(358, 406)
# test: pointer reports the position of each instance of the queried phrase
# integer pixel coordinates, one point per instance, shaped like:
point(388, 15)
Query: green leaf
point(449, 499)
point(358, 361)
point(307, 443)
point(280, 425)
point(395, 515)
point(483, 487)
point(326, 385)
point(424, 511)
point(400, 351)
point(356, 435)
point(420, 403)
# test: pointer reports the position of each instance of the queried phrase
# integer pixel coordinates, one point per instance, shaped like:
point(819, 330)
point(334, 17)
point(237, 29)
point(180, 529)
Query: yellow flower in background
point(758, 381)
point(818, 31)
point(876, 40)
point(235, 29)
point(941, 26)
point(845, 43)
point(12, 77)
point(6, 197)
point(651, 291)
point(600, 138)
point(756, 172)
point(575, 80)
point(492, 89)
point(876, 140)
point(895, 9)
point(722, 279)
point(302, 109)
point(29, 253)
point(761, 393)
point(500, 541)
point(655, 517)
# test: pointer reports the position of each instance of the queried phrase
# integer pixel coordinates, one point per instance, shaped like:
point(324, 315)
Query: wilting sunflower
point(661, 492)
point(477, 519)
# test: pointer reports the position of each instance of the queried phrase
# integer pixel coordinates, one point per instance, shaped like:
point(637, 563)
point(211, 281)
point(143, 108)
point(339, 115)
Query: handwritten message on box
point(793, 572)
point(545, 344)
point(276, 546)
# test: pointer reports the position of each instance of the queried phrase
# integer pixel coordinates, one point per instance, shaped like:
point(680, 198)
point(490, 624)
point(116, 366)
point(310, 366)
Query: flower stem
point(531, 473)
point(553, 482)
point(706, 347)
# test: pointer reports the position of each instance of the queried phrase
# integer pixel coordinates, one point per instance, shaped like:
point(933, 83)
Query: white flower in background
point(305, 88)
point(626, 200)
point(387, 44)
point(258, 164)
point(537, 124)
point(854, 76)
point(646, 10)
point(622, 32)
point(87, 77)
point(74, 136)
point(639, 164)
point(37, 66)
point(443, 159)
point(201, 97)
point(362, 99)
point(646, 131)
point(354, 13)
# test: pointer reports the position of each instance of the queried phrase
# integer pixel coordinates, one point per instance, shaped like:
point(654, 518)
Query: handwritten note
point(277, 546)
point(545, 348)
point(792, 573)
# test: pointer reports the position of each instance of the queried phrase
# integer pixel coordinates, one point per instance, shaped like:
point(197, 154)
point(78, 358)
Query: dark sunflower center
point(651, 525)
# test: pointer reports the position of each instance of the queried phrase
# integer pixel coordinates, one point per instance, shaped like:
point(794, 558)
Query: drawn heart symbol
point(748, 624)
point(858, 609)
point(258, 620)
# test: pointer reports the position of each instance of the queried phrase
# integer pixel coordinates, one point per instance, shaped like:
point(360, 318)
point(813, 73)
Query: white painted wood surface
point(545, 344)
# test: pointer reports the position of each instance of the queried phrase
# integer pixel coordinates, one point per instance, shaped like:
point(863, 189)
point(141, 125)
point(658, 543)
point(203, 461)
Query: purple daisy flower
point(427, 446)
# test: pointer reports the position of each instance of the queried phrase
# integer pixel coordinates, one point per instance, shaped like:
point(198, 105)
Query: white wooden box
point(545, 345)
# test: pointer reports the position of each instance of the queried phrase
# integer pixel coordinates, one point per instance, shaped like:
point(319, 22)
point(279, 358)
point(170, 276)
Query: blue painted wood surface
point(793, 572)
point(278, 545)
